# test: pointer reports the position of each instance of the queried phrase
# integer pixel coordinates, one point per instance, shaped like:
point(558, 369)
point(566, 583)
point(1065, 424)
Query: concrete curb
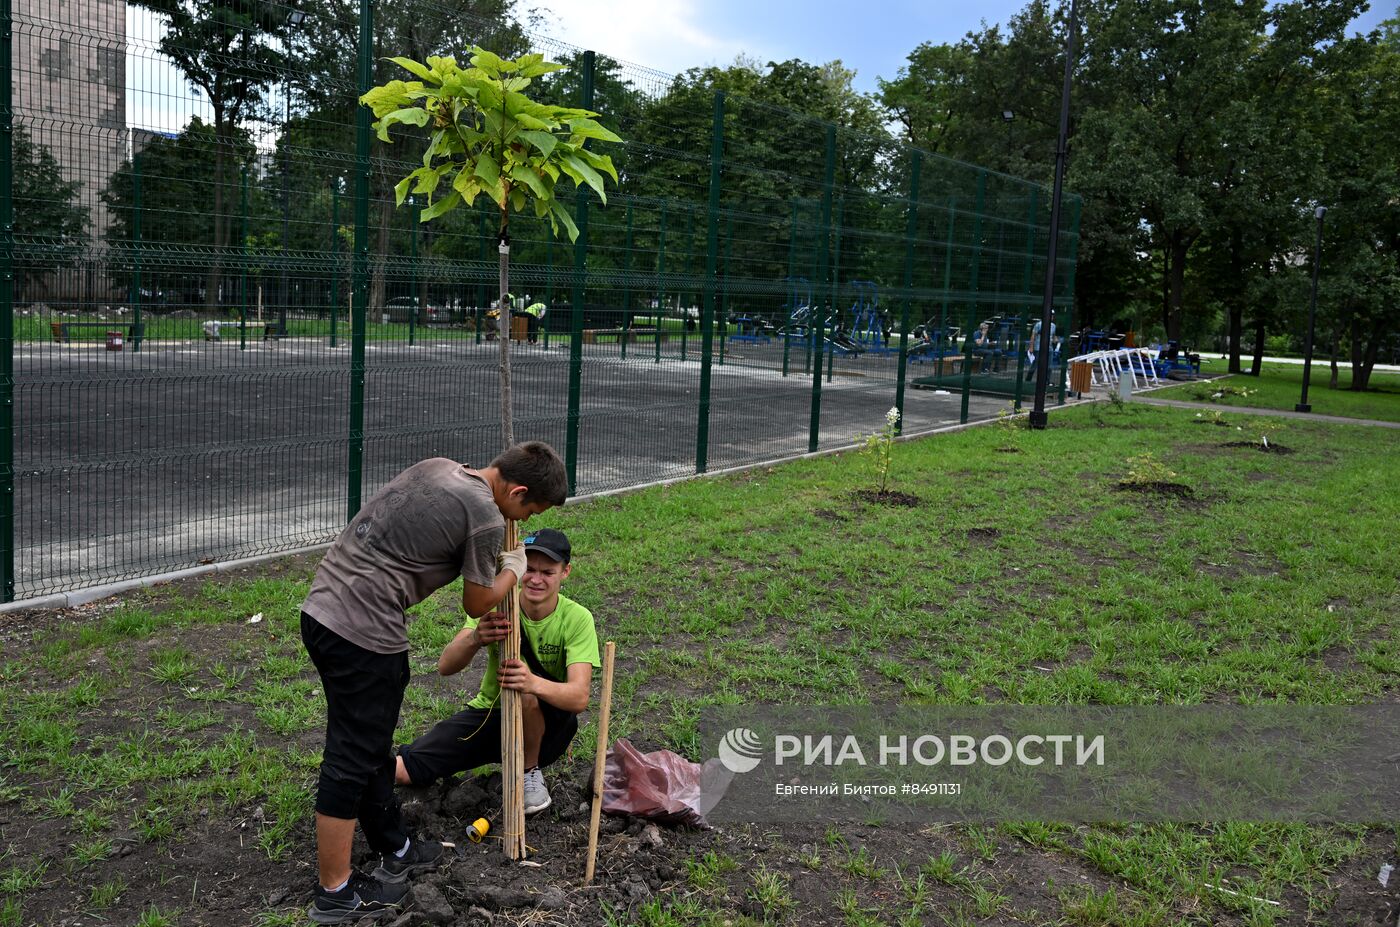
point(93, 593)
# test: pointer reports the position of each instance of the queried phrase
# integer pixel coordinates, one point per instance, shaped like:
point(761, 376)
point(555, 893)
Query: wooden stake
point(604, 709)
point(512, 728)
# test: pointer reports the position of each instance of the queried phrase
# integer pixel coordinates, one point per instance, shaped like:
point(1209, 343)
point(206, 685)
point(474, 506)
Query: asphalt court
point(131, 463)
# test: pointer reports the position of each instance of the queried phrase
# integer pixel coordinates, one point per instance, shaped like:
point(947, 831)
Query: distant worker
point(534, 313)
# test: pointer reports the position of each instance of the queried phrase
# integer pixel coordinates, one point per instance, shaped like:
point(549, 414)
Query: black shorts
point(472, 738)
point(364, 691)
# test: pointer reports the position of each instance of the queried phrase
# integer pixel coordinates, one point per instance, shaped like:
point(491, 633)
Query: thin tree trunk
point(1176, 288)
point(1363, 353)
point(1236, 301)
point(1258, 364)
point(1336, 345)
point(503, 334)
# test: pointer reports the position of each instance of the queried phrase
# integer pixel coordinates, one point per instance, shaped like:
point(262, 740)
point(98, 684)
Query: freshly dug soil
point(1177, 490)
point(1270, 448)
point(888, 497)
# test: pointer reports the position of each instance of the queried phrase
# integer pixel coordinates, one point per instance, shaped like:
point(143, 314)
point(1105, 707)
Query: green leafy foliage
point(489, 138)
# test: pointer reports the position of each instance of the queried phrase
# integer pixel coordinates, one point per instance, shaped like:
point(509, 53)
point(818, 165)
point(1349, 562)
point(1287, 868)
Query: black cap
point(553, 544)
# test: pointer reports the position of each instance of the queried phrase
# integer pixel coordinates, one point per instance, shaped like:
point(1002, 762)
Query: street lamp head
point(1008, 115)
point(1320, 212)
point(295, 18)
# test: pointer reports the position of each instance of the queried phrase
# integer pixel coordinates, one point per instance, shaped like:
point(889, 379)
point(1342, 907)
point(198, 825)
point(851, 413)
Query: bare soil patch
point(1169, 490)
point(1261, 447)
point(888, 497)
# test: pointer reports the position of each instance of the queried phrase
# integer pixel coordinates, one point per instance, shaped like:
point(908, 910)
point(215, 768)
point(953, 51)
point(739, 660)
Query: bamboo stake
point(604, 709)
point(512, 742)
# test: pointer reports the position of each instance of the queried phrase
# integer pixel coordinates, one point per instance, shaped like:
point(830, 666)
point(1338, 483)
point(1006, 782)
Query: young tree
point(490, 138)
point(487, 137)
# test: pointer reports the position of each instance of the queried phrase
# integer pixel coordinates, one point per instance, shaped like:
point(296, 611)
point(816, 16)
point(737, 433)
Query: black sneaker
point(422, 856)
point(364, 898)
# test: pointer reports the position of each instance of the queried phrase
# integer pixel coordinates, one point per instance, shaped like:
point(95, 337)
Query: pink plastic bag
point(661, 786)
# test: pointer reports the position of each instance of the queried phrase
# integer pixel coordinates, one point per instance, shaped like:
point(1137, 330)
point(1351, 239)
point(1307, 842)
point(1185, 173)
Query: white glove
point(514, 560)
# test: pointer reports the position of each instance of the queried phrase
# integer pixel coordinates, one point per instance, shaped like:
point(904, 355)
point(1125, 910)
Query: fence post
point(707, 306)
point(724, 303)
point(576, 301)
point(627, 286)
point(1066, 325)
point(1026, 286)
point(243, 252)
point(828, 179)
point(548, 281)
point(359, 275)
point(136, 328)
point(7, 312)
point(689, 255)
point(660, 271)
point(835, 287)
point(910, 236)
point(335, 256)
point(792, 285)
point(482, 299)
point(414, 284)
point(972, 284)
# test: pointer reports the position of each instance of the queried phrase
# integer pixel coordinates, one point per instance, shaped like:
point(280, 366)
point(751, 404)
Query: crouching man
point(559, 645)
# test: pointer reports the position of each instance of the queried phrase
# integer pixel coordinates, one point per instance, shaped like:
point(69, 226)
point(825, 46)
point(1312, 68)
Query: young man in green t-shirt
point(560, 651)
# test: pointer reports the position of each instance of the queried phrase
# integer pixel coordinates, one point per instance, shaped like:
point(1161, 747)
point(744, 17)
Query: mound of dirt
point(1176, 490)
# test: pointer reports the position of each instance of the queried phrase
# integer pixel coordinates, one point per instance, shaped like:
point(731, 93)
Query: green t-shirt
point(563, 637)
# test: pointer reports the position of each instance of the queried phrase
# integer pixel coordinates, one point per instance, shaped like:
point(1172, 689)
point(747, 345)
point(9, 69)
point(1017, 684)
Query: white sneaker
point(536, 795)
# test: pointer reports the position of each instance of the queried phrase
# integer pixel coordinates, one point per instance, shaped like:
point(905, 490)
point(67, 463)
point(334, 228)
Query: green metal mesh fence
point(222, 334)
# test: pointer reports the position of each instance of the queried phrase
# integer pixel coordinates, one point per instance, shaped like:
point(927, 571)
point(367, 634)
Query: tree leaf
point(412, 115)
point(523, 174)
point(419, 70)
point(393, 95)
point(487, 168)
point(487, 61)
point(543, 141)
point(559, 213)
point(446, 204)
point(588, 128)
point(602, 162)
point(401, 190)
point(467, 187)
point(582, 173)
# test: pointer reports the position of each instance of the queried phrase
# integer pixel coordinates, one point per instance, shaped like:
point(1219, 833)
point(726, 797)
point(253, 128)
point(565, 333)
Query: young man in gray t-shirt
point(433, 522)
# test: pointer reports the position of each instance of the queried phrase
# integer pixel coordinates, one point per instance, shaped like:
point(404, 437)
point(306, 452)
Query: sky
point(673, 35)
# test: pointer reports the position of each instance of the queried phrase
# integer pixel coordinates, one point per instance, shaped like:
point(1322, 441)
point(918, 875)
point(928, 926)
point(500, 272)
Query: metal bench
point(63, 331)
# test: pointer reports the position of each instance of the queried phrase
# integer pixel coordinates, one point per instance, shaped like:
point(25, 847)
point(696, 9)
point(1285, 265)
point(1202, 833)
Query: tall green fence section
point(218, 334)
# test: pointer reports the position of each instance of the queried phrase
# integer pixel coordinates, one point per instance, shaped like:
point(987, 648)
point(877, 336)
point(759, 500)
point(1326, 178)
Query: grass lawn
point(161, 742)
point(1279, 386)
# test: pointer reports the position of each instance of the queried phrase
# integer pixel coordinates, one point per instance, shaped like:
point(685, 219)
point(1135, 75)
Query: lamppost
point(1006, 117)
point(1038, 417)
point(1302, 405)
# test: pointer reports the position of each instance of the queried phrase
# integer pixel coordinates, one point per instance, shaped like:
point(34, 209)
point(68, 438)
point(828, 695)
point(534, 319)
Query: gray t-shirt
point(430, 524)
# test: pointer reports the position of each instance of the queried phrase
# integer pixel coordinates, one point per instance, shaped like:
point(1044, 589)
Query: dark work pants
point(364, 691)
point(472, 738)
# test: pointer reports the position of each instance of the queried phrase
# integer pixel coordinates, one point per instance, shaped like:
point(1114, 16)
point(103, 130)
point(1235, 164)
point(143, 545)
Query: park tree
point(230, 51)
point(175, 195)
point(1361, 254)
point(50, 223)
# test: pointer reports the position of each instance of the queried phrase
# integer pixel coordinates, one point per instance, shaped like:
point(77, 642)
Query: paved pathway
point(1250, 410)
